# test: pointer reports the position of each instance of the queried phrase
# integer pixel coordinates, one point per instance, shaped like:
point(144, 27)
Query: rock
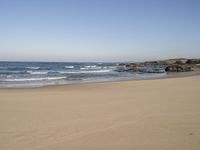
point(151, 63)
point(173, 61)
point(127, 67)
point(169, 65)
point(178, 68)
point(181, 62)
point(132, 67)
point(193, 61)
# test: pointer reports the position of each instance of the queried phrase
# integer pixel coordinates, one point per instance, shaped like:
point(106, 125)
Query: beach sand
point(162, 114)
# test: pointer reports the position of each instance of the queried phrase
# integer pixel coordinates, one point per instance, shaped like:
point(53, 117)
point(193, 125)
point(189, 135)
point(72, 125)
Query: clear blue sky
point(99, 30)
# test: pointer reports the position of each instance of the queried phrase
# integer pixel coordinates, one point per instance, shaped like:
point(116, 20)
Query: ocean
point(37, 74)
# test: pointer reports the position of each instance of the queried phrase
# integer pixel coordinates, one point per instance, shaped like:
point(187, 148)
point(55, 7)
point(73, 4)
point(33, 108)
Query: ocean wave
point(90, 68)
point(69, 67)
point(96, 71)
point(37, 72)
point(8, 72)
point(90, 71)
point(33, 79)
point(3, 67)
point(109, 67)
point(34, 68)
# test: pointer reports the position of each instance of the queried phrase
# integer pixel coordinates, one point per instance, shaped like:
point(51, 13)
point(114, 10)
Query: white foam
point(94, 66)
point(90, 71)
point(98, 71)
point(37, 72)
point(69, 67)
point(34, 79)
point(35, 68)
point(90, 68)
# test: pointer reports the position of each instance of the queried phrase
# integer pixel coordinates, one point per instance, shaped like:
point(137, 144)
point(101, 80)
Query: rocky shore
point(170, 65)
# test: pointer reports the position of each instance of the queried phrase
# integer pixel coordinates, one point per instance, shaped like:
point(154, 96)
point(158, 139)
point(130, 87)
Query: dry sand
point(161, 114)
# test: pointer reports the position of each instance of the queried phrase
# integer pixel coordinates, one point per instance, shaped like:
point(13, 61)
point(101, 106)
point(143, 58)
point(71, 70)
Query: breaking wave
point(69, 67)
point(33, 79)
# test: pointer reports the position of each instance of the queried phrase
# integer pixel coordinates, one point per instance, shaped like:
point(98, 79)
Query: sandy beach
point(162, 114)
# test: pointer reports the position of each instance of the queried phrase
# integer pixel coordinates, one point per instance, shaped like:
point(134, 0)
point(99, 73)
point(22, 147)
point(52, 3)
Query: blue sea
point(37, 74)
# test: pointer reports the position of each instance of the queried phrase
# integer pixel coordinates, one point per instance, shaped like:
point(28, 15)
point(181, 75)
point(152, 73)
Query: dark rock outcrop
point(193, 61)
point(183, 65)
point(170, 65)
point(178, 68)
point(132, 67)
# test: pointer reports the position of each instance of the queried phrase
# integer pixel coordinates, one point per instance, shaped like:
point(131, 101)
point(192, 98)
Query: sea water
point(36, 74)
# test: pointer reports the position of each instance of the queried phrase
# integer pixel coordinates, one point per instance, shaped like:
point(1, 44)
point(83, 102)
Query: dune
point(161, 114)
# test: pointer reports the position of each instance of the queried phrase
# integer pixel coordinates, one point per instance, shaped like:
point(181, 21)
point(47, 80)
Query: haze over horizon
point(105, 31)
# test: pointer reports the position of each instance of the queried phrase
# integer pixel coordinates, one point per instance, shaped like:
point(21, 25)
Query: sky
point(99, 30)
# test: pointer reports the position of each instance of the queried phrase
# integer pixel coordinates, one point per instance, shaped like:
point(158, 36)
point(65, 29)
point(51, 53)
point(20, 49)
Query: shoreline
point(172, 75)
point(38, 74)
